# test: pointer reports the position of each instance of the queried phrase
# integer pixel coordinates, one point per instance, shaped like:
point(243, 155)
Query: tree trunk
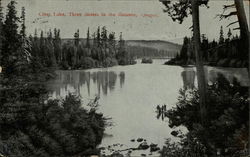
point(244, 35)
point(244, 32)
point(1, 34)
point(199, 63)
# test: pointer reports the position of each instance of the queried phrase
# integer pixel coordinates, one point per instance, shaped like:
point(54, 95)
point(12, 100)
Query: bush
point(147, 60)
point(227, 119)
point(56, 128)
point(109, 62)
point(87, 62)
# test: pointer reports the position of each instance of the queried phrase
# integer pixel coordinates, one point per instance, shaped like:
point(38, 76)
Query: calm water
point(130, 94)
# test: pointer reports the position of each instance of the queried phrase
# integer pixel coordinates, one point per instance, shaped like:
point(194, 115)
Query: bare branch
point(232, 23)
point(228, 6)
point(236, 28)
point(222, 16)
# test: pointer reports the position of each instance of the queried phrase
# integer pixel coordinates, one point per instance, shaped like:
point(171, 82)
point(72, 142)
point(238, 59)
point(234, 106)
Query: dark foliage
point(228, 120)
point(100, 51)
point(31, 125)
point(223, 53)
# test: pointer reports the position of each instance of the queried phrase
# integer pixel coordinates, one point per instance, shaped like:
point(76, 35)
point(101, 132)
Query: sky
point(139, 27)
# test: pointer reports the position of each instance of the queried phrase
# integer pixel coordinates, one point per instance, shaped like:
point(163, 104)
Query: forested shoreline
point(101, 49)
point(228, 51)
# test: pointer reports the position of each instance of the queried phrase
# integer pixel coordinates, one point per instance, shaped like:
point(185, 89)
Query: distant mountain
point(155, 44)
point(71, 40)
point(152, 48)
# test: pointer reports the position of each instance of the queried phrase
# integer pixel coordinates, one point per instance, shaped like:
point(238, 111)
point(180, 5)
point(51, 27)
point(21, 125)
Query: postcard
point(116, 78)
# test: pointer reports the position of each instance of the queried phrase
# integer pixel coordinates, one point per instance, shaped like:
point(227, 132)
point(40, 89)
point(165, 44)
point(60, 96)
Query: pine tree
point(111, 39)
point(26, 43)
point(35, 45)
point(41, 44)
point(35, 35)
point(57, 45)
point(229, 34)
point(237, 36)
point(76, 48)
point(184, 50)
point(121, 42)
point(122, 55)
point(76, 38)
point(11, 42)
point(1, 13)
point(23, 27)
point(94, 39)
point(112, 42)
point(221, 39)
point(104, 37)
point(88, 38)
point(98, 36)
point(49, 35)
point(51, 50)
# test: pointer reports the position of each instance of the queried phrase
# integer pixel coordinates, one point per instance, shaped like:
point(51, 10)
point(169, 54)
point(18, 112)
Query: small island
point(146, 61)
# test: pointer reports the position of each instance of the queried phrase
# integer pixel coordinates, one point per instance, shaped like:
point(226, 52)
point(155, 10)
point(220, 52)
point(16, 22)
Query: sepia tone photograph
point(124, 78)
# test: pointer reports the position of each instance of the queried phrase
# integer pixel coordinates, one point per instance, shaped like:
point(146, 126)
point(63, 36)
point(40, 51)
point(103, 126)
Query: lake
point(130, 94)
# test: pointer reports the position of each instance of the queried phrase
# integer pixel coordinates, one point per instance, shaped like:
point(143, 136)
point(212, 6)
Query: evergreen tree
point(236, 37)
point(229, 34)
point(49, 35)
point(94, 39)
point(26, 43)
point(57, 45)
point(121, 42)
point(104, 37)
point(111, 39)
point(23, 27)
point(35, 46)
point(122, 55)
point(11, 42)
point(98, 36)
point(88, 39)
point(42, 45)
point(76, 38)
point(112, 43)
point(221, 39)
point(76, 49)
point(184, 49)
point(1, 13)
point(35, 35)
point(50, 50)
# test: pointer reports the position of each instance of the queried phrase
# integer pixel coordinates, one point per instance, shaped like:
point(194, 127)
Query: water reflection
point(231, 74)
point(161, 111)
point(188, 77)
point(77, 81)
point(212, 75)
point(122, 78)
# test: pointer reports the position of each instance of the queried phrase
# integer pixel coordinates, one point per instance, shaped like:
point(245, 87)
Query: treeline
point(100, 50)
point(226, 52)
point(140, 52)
point(31, 125)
